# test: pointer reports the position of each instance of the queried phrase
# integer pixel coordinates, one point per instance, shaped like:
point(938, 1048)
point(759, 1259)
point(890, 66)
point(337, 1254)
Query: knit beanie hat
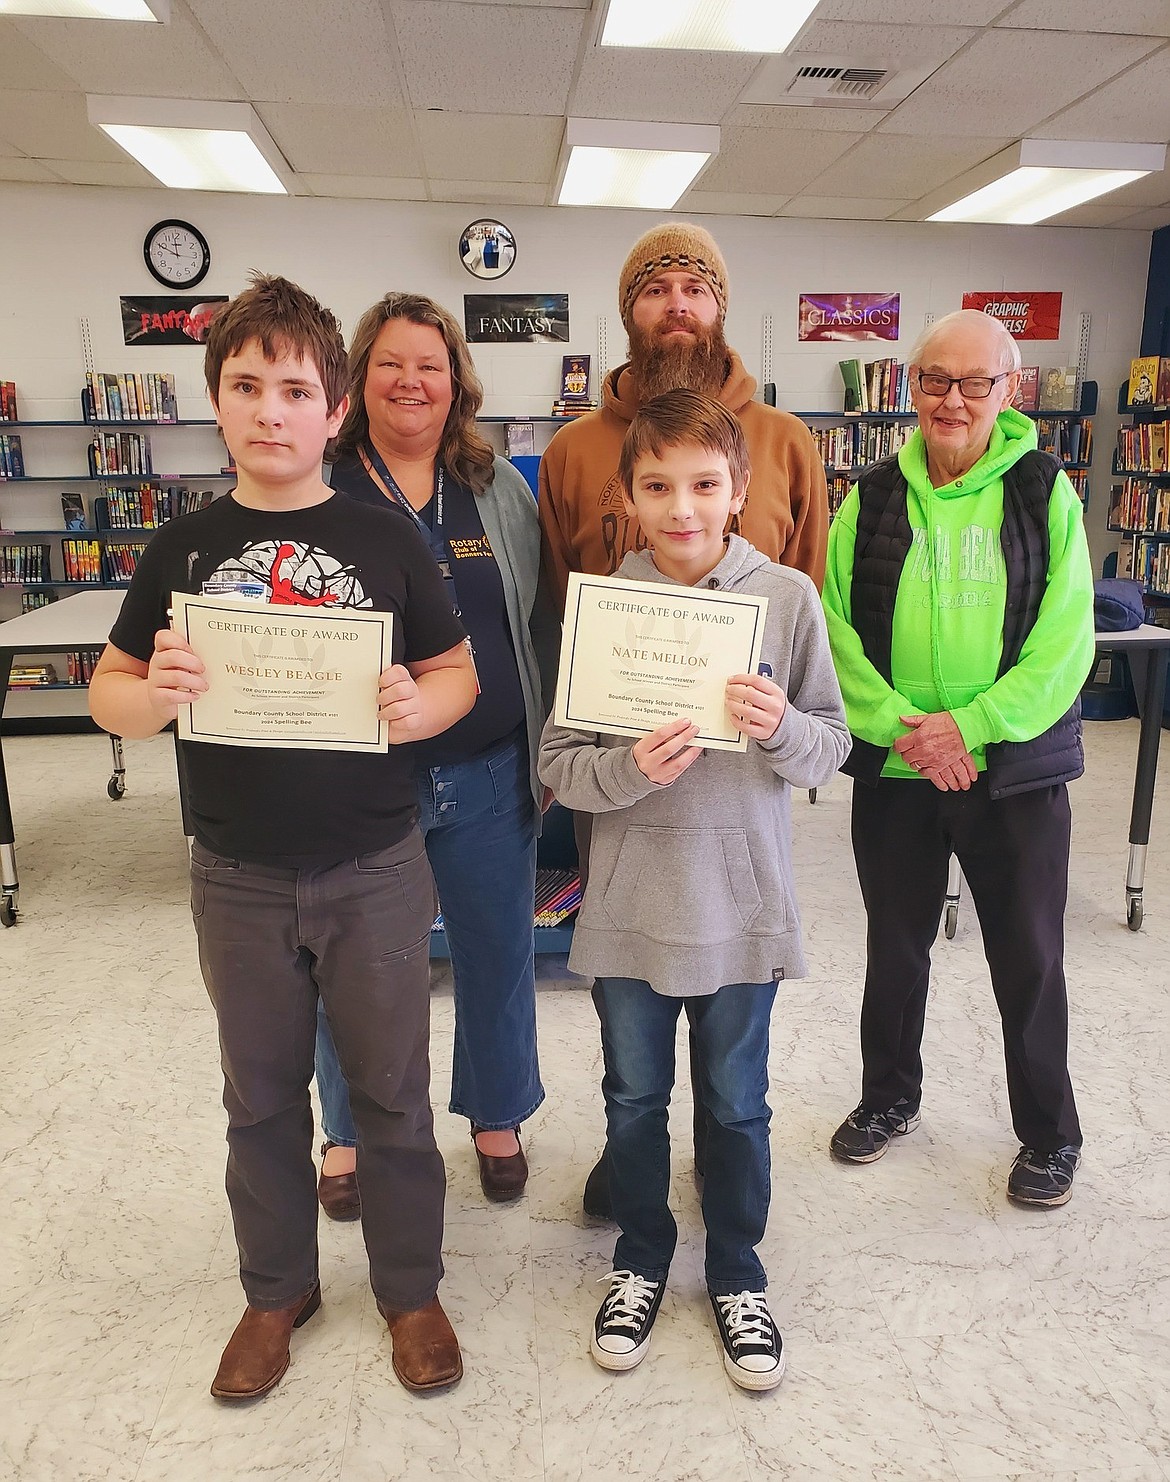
point(675, 245)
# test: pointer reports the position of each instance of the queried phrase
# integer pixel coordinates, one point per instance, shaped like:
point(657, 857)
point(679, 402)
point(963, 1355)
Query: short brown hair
point(463, 452)
point(684, 417)
point(286, 320)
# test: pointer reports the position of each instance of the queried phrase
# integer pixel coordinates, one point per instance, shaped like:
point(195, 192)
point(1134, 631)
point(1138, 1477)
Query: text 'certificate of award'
point(287, 677)
point(635, 656)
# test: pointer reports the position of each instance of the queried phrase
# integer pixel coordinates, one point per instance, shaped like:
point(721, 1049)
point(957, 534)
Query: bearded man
point(672, 293)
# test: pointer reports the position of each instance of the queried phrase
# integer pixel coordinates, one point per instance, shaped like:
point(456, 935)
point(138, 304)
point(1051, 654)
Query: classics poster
point(848, 316)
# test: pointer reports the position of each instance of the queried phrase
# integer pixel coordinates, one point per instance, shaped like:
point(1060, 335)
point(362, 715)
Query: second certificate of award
point(636, 655)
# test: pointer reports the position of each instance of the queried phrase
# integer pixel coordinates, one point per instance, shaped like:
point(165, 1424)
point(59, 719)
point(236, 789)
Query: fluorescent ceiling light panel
point(705, 25)
point(190, 145)
point(93, 10)
point(1039, 178)
point(605, 162)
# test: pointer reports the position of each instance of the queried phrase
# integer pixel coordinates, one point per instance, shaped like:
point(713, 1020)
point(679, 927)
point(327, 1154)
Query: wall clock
point(177, 254)
point(487, 249)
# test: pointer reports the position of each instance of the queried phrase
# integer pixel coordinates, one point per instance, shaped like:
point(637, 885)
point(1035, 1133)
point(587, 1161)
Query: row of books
point(839, 487)
point(858, 444)
point(21, 563)
point(119, 562)
point(558, 896)
point(11, 456)
point(8, 411)
point(129, 396)
point(1071, 440)
point(1143, 449)
point(31, 676)
point(119, 452)
point(879, 386)
point(1054, 390)
point(146, 507)
point(30, 601)
point(93, 561)
point(1151, 564)
point(561, 408)
point(1079, 479)
point(1149, 381)
point(82, 664)
point(1138, 504)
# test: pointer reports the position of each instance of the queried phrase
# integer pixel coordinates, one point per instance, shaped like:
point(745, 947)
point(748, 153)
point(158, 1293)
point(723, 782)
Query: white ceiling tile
point(1135, 106)
point(772, 161)
point(716, 203)
point(122, 58)
point(1091, 214)
point(489, 192)
point(915, 12)
point(900, 165)
point(459, 146)
point(877, 42)
point(303, 51)
point(123, 172)
point(23, 169)
point(1006, 81)
point(488, 58)
point(1119, 17)
point(841, 208)
point(562, 4)
point(793, 116)
point(53, 126)
point(1149, 221)
point(333, 138)
point(25, 66)
point(364, 187)
point(689, 86)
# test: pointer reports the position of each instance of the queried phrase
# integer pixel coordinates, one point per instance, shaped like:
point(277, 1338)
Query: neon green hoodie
point(948, 619)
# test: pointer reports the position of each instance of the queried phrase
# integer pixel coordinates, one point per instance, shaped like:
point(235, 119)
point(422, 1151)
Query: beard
point(661, 363)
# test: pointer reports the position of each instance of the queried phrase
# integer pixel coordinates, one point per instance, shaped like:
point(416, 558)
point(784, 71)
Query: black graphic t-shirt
point(499, 709)
point(297, 807)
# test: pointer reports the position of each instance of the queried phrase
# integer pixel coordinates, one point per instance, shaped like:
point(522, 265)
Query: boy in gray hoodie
point(690, 902)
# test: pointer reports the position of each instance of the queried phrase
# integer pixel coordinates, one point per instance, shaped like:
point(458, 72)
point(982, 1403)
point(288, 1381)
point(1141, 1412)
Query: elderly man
point(672, 293)
point(959, 599)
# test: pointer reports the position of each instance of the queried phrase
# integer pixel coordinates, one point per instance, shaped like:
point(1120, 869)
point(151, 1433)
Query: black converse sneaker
point(753, 1350)
point(865, 1135)
point(1043, 1178)
point(621, 1330)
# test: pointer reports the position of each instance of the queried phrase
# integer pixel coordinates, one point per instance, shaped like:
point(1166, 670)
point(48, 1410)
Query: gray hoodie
point(690, 886)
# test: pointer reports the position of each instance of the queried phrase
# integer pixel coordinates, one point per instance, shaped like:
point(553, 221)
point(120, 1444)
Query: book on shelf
point(558, 896)
point(129, 396)
point(31, 676)
point(30, 601)
point(1143, 381)
point(1143, 447)
point(854, 383)
point(572, 408)
point(1140, 505)
point(8, 409)
point(1069, 438)
point(11, 456)
point(146, 507)
point(82, 560)
point(1058, 389)
point(574, 378)
point(119, 453)
point(519, 439)
point(20, 563)
point(1027, 397)
point(81, 664)
point(1163, 392)
point(73, 511)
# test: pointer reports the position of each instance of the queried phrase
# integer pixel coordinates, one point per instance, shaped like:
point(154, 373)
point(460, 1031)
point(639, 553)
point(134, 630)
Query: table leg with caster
point(951, 899)
point(1143, 786)
point(116, 787)
point(9, 883)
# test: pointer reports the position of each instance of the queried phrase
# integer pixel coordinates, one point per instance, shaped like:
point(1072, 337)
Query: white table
point(81, 621)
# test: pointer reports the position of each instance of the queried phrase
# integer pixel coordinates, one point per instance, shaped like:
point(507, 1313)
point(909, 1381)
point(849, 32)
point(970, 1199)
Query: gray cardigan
point(508, 512)
point(690, 886)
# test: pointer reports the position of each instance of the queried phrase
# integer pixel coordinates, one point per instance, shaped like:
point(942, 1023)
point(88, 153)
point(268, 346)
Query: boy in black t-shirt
point(308, 873)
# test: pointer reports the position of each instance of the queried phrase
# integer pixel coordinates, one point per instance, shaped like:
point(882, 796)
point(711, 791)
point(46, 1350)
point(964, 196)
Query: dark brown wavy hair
point(463, 452)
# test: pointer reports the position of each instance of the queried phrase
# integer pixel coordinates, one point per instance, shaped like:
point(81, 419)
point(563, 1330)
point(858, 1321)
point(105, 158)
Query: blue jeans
point(729, 1030)
point(479, 825)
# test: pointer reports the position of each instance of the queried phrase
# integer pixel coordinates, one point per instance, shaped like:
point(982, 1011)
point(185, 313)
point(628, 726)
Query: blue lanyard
point(432, 534)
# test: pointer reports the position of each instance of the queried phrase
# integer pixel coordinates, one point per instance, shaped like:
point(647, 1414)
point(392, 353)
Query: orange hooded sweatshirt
point(584, 524)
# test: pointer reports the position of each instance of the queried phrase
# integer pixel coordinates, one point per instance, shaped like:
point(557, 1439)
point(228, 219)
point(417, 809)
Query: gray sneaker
point(865, 1135)
point(1043, 1178)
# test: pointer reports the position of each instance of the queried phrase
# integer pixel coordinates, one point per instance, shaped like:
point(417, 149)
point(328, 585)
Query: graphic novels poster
point(848, 316)
point(1025, 316)
point(516, 318)
point(168, 319)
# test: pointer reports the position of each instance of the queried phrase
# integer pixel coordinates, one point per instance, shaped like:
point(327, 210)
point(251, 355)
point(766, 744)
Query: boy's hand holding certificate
point(636, 655)
point(287, 677)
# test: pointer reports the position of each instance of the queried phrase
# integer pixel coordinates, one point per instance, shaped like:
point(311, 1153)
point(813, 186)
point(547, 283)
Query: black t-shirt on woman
point(297, 807)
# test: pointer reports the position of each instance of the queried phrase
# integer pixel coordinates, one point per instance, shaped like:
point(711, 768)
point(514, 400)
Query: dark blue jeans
point(479, 825)
point(729, 1029)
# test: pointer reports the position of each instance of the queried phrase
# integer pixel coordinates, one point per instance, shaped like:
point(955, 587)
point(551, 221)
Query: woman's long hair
point(463, 452)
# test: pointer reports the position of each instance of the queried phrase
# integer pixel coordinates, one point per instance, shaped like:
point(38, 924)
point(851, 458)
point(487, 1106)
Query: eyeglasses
point(974, 388)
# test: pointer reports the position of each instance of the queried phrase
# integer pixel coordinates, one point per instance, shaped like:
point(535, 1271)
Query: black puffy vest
point(883, 543)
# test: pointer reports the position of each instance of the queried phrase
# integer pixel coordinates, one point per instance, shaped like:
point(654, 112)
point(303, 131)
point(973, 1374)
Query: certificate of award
point(288, 677)
point(635, 656)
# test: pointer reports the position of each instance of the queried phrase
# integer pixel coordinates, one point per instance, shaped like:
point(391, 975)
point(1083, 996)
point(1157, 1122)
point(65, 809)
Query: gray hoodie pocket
point(693, 887)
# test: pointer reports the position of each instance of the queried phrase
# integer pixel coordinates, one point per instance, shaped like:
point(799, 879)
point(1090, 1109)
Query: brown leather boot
point(426, 1350)
point(338, 1193)
point(502, 1179)
point(257, 1355)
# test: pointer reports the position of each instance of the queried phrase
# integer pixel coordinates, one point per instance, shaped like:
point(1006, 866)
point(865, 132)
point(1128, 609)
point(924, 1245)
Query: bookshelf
point(1139, 505)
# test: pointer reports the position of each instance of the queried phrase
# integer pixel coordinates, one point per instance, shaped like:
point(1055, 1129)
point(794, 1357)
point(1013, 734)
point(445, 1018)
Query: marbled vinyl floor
point(934, 1332)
